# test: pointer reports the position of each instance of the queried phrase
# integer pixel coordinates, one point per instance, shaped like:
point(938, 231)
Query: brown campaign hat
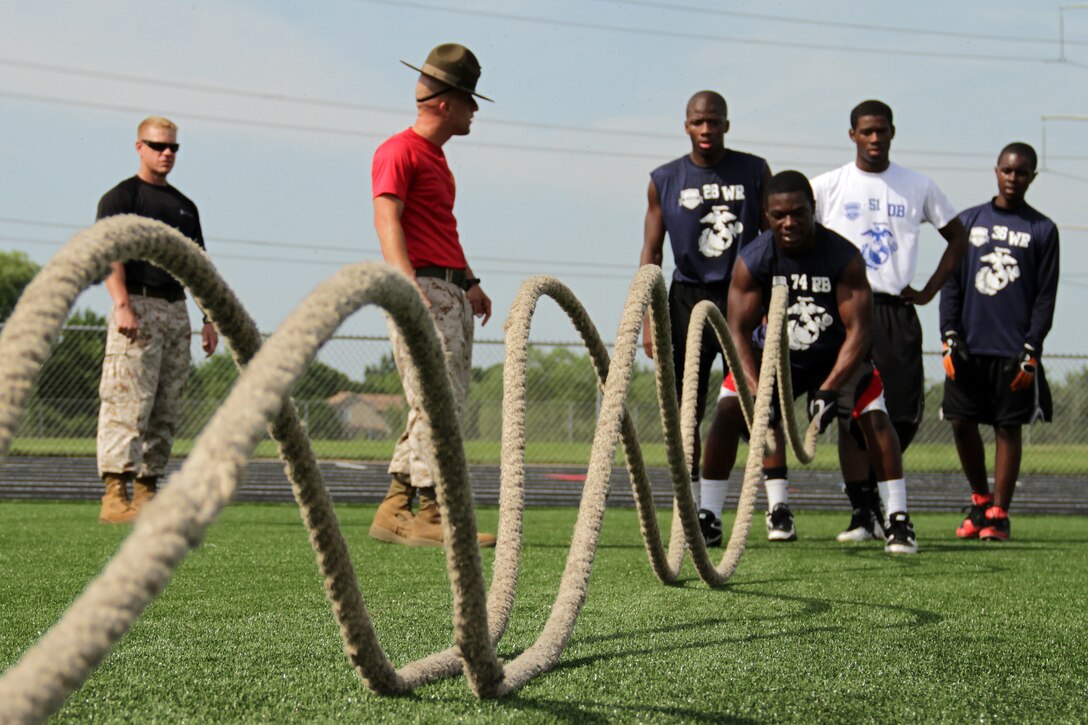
point(454, 65)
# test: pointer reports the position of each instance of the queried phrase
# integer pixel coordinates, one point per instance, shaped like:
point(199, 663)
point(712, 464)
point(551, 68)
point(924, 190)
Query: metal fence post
point(570, 421)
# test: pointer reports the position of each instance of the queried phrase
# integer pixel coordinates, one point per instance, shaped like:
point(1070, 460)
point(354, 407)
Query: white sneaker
point(900, 538)
point(780, 524)
point(864, 526)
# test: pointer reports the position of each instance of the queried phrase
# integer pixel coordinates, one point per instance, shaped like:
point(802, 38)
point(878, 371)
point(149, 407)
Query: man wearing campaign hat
point(413, 192)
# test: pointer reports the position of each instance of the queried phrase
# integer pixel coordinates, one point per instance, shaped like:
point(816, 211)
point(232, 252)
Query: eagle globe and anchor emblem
point(806, 321)
point(879, 245)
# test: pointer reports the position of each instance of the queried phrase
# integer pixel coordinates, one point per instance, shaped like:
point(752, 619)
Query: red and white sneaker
point(997, 525)
point(976, 517)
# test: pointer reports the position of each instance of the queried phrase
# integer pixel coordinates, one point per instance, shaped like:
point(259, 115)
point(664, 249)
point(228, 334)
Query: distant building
point(363, 414)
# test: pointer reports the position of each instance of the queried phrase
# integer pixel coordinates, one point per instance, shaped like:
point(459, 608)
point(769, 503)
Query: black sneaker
point(974, 523)
point(864, 526)
point(780, 524)
point(711, 526)
point(899, 535)
point(997, 527)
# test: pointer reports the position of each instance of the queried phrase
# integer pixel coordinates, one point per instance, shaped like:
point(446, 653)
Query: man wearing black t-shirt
point(710, 202)
point(147, 344)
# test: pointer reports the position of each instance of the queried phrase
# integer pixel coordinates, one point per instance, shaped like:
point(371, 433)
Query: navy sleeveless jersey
point(815, 328)
point(1003, 293)
point(710, 213)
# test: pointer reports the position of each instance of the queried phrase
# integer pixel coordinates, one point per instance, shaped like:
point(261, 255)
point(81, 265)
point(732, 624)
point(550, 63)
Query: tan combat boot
point(427, 530)
point(115, 504)
point(393, 520)
point(144, 489)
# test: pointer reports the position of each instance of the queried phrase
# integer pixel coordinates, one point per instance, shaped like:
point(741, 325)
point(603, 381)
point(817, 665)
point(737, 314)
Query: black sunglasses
point(160, 146)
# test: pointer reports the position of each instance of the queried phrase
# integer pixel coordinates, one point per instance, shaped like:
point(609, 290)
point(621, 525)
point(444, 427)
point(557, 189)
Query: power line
point(348, 105)
point(197, 116)
point(373, 252)
point(315, 129)
point(332, 103)
point(334, 248)
point(216, 255)
point(329, 248)
point(295, 99)
point(1062, 174)
point(897, 30)
point(382, 135)
point(688, 35)
point(1072, 278)
point(38, 223)
point(174, 83)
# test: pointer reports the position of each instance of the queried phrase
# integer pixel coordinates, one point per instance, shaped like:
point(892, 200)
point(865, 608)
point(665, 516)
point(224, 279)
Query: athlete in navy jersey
point(829, 319)
point(710, 202)
point(709, 212)
point(996, 310)
point(1002, 295)
point(816, 329)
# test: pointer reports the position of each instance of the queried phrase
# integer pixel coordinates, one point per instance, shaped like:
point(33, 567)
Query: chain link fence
point(353, 406)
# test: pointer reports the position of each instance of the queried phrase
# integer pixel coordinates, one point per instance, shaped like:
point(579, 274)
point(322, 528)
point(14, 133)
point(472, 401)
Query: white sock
point(713, 494)
point(696, 487)
point(776, 492)
point(894, 493)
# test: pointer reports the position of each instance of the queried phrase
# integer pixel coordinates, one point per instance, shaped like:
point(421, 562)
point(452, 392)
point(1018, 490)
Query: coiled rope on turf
point(175, 521)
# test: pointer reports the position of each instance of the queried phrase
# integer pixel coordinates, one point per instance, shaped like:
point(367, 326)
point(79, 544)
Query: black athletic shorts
point(980, 393)
point(862, 393)
point(897, 353)
point(683, 297)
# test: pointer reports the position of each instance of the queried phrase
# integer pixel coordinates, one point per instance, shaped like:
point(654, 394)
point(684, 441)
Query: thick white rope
point(804, 450)
point(175, 522)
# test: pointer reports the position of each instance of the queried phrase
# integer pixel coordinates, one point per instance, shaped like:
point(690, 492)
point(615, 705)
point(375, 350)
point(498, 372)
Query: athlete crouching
point(829, 318)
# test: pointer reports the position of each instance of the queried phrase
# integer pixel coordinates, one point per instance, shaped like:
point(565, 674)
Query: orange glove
point(954, 350)
point(1025, 376)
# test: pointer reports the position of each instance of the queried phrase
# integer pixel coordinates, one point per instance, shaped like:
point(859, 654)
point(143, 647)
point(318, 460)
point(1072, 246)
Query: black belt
point(883, 298)
point(170, 294)
point(453, 276)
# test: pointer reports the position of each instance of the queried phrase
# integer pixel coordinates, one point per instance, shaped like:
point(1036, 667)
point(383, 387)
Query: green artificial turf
point(806, 632)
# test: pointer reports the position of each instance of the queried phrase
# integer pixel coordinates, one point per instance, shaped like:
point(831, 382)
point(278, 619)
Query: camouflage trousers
point(142, 382)
point(414, 453)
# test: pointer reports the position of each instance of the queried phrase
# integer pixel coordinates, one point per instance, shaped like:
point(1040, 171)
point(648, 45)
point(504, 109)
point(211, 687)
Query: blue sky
point(281, 105)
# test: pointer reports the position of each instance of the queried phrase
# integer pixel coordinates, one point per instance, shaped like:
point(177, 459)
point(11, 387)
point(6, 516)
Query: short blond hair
point(158, 122)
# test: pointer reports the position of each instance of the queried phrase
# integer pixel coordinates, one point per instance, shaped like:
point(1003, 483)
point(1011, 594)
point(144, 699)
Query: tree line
point(561, 385)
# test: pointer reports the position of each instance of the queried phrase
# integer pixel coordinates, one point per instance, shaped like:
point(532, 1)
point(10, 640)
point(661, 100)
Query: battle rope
point(175, 522)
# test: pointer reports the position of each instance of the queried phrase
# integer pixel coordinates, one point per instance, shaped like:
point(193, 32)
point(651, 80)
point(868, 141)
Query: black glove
point(823, 407)
point(1026, 362)
point(954, 353)
point(775, 417)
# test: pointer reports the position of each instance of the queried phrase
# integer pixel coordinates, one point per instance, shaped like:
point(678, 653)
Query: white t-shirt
point(881, 214)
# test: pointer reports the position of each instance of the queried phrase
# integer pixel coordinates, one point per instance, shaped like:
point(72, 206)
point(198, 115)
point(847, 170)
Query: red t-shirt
point(414, 170)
